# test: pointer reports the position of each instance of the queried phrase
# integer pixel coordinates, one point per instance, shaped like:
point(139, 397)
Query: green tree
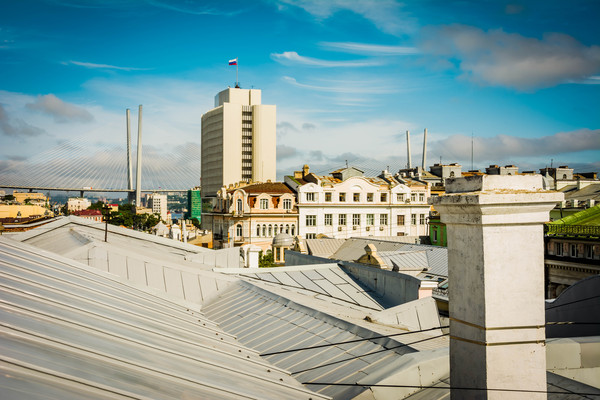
point(96, 206)
point(266, 260)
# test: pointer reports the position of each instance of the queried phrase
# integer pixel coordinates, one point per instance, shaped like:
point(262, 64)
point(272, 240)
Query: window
point(240, 207)
point(328, 197)
point(311, 235)
point(342, 196)
point(370, 219)
point(356, 197)
point(257, 230)
point(435, 236)
point(573, 250)
point(383, 219)
point(238, 230)
point(270, 230)
point(328, 219)
point(422, 219)
point(383, 197)
point(342, 219)
point(274, 230)
point(310, 196)
point(264, 229)
point(451, 174)
point(413, 219)
point(264, 204)
point(421, 197)
point(293, 230)
point(287, 204)
point(413, 197)
point(400, 219)
point(369, 197)
point(558, 249)
point(589, 251)
point(311, 220)
point(399, 196)
point(287, 229)
point(356, 219)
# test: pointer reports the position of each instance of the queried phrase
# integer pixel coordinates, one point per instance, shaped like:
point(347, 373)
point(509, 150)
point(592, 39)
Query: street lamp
point(107, 217)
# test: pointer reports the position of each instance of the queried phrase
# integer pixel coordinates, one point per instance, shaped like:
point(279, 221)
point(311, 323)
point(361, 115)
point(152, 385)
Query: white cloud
point(370, 49)
point(349, 87)
point(104, 66)
point(386, 15)
point(291, 57)
point(502, 147)
point(16, 127)
point(503, 59)
point(61, 111)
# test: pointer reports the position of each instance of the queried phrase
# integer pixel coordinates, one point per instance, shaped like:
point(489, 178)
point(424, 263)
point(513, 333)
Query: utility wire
point(369, 354)
point(449, 387)
point(351, 341)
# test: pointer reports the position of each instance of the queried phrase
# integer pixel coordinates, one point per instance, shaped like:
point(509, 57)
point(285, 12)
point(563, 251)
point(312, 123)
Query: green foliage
point(9, 197)
point(266, 260)
point(96, 206)
point(127, 217)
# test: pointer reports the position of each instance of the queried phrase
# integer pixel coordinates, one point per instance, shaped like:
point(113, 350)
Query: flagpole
point(237, 83)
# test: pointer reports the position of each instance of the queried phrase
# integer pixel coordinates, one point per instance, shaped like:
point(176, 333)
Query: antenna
point(408, 149)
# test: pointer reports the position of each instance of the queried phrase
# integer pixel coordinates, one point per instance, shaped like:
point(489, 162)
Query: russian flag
point(233, 62)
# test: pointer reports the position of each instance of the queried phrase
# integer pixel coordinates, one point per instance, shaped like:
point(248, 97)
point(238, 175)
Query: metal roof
point(272, 323)
point(328, 280)
point(323, 247)
point(70, 331)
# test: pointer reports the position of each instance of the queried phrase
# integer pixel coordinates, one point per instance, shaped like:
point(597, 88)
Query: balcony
point(572, 230)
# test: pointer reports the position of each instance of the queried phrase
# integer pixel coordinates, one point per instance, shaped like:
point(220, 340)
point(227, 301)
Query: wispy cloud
point(291, 57)
point(348, 87)
point(504, 59)
point(16, 127)
point(370, 49)
point(104, 66)
point(386, 15)
point(60, 110)
point(202, 7)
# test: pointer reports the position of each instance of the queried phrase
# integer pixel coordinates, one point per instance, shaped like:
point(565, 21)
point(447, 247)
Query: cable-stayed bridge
point(80, 165)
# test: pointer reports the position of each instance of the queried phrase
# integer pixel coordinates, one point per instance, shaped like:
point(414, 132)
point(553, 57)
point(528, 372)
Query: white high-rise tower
point(238, 140)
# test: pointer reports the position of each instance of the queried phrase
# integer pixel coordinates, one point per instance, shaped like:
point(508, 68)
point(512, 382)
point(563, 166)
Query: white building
point(78, 203)
point(158, 204)
point(238, 140)
point(348, 204)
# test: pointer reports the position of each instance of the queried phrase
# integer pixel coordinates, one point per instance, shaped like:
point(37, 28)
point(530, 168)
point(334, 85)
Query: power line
point(351, 341)
point(369, 354)
point(450, 388)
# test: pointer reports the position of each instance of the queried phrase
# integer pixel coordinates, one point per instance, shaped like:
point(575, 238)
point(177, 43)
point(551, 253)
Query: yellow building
point(252, 214)
point(33, 197)
point(23, 211)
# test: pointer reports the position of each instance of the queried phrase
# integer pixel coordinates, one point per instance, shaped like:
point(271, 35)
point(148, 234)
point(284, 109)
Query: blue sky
point(348, 77)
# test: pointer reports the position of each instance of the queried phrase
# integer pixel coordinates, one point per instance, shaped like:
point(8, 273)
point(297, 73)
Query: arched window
point(281, 228)
point(270, 230)
point(238, 230)
point(564, 176)
point(264, 229)
point(240, 207)
point(451, 174)
point(257, 230)
point(287, 229)
point(275, 230)
point(293, 230)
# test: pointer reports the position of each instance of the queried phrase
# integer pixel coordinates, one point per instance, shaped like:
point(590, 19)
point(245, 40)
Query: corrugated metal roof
point(323, 247)
point(328, 280)
point(406, 260)
point(70, 331)
point(272, 323)
point(354, 248)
